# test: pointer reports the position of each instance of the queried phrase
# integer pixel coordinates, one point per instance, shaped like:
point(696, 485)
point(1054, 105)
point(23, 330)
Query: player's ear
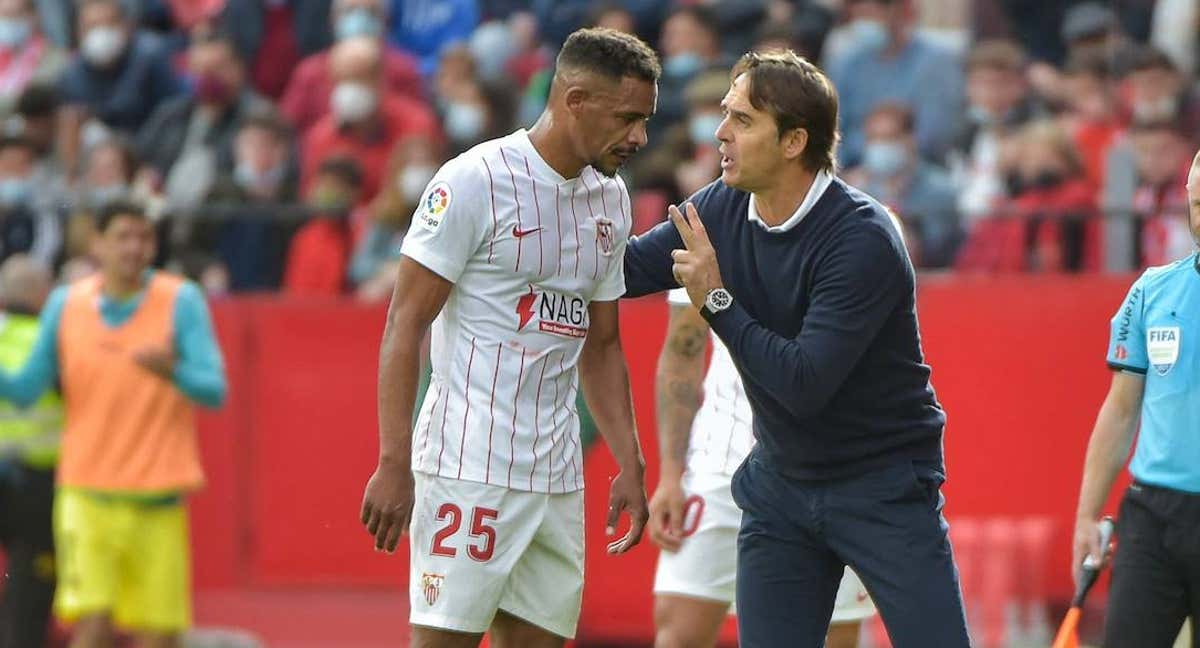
point(794, 142)
point(575, 97)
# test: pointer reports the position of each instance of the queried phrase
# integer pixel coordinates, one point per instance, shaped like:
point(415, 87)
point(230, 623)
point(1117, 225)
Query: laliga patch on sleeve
point(432, 209)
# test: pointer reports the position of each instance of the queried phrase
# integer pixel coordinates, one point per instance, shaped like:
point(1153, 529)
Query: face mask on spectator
point(870, 34)
point(352, 101)
point(683, 65)
point(1161, 109)
point(358, 22)
point(1047, 179)
point(14, 31)
point(13, 191)
point(464, 122)
point(252, 179)
point(212, 89)
point(703, 129)
point(981, 115)
point(413, 180)
point(100, 196)
point(884, 159)
point(103, 45)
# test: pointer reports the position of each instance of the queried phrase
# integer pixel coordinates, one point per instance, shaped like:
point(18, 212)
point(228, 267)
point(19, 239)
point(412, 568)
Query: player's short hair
point(118, 209)
point(610, 53)
point(797, 94)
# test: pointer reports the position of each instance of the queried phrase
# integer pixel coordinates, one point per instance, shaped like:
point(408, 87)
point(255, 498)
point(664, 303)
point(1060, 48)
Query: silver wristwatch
point(717, 300)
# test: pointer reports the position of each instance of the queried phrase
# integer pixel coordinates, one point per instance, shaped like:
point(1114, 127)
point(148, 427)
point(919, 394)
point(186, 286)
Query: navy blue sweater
point(823, 330)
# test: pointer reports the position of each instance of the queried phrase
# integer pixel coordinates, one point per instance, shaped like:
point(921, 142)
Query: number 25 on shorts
point(480, 552)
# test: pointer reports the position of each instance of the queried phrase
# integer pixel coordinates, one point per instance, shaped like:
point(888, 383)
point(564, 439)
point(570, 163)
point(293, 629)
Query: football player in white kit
point(516, 250)
point(693, 517)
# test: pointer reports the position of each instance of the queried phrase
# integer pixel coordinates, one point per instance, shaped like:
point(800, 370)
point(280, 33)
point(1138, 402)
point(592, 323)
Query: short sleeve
point(451, 220)
point(1127, 340)
point(612, 285)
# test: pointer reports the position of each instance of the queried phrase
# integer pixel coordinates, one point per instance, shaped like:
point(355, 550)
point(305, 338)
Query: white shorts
point(706, 565)
point(477, 548)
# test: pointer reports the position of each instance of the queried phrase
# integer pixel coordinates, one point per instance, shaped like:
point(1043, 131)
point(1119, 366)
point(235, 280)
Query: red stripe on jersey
point(537, 426)
point(576, 219)
point(516, 199)
point(621, 203)
point(429, 422)
point(596, 241)
point(538, 207)
point(466, 410)
point(554, 422)
point(492, 198)
point(491, 414)
point(570, 408)
point(558, 227)
point(516, 401)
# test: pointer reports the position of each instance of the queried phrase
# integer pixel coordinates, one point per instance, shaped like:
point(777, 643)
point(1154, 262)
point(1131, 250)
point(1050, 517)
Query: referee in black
point(807, 281)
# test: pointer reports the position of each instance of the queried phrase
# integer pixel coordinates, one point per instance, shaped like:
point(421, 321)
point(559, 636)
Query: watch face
point(720, 300)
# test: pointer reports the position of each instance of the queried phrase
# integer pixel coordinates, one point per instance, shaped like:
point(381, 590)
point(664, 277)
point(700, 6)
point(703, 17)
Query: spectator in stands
point(275, 35)
point(307, 97)
point(36, 121)
point(1175, 28)
point(891, 62)
point(998, 102)
point(119, 77)
point(425, 31)
point(690, 44)
point(366, 121)
point(918, 191)
point(1158, 92)
point(1091, 30)
point(1163, 152)
point(190, 137)
point(320, 252)
point(686, 156)
point(409, 174)
point(26, 56)
point(1092, 117)
point(249, 230)
point(108, 171)
point(1047, 222)
point(613, 15)
point(23, 226)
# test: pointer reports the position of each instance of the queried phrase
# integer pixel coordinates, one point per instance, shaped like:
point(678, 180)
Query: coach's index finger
point(699, 233)
point(681, 224)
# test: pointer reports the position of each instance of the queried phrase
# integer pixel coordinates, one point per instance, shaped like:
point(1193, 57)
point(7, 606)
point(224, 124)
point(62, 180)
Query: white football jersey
point(722, 432)
point(527, 251)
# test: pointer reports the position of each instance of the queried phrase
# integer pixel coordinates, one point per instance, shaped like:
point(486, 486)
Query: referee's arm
point(854, 294)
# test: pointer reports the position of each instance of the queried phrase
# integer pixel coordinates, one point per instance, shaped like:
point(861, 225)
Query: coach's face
point(610, 120)
point(752, 148)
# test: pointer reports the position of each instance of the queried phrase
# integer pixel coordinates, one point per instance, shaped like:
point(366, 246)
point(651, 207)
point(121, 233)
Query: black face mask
point(1047, 179)
point(1013, 184)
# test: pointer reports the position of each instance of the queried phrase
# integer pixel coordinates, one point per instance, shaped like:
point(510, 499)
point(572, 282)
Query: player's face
point(612, 123)
point(127, 247)
point(751, 149)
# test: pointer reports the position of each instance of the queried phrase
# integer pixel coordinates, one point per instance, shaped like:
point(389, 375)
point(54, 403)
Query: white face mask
point(14, 31)
point(103, 45)
point(464, 122)
point(352, 101)
point(413, 180)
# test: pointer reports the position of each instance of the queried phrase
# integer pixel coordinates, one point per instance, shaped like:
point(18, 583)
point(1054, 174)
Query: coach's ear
point(793, 143)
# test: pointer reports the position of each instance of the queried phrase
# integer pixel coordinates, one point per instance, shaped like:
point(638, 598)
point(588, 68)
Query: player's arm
point(605, 380)
point(678, 388)
point(200, 371)
point(416, 300)
point(40, 370)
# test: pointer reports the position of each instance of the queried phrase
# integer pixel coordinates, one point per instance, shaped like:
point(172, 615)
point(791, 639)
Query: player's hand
point(1087, 543)
point(627, 493)
point(695, 267)
point(388, 504)
point(157, 360)
point(667, 510)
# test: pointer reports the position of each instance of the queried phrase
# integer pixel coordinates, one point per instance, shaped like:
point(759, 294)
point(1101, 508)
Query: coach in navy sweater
point(807, 282)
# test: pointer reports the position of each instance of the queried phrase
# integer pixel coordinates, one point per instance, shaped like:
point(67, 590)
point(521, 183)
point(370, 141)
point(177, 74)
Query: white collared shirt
point(820, 183)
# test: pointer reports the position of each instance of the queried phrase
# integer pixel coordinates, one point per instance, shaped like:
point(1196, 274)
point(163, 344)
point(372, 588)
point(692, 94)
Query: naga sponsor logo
point(554, 312)
point(1126, 315)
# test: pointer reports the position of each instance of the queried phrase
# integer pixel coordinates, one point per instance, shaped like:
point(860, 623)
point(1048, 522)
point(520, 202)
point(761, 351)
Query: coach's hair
point(798, 95)
point(609, 52)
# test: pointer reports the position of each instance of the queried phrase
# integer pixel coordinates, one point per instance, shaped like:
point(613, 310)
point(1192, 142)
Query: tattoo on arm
point(680, 377)
point(688, 341)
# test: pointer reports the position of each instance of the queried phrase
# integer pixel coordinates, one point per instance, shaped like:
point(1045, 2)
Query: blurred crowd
point(283, 144)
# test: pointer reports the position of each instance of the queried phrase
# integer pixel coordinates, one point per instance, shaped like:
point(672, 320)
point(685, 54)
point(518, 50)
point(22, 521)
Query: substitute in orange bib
point(132, 349)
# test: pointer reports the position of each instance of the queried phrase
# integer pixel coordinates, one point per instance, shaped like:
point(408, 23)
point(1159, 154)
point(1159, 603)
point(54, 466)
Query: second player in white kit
point(514, 262)
point(705, 564)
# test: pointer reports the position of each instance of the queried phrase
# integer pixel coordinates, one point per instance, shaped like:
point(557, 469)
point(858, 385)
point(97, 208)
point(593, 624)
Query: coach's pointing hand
point(388, 504)
point(695, 267)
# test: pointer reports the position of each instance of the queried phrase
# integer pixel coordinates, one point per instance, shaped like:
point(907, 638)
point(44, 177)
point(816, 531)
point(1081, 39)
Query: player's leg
point(93, 631)
point(888, 526)
point(1148, 600)
point(693, 587)
point(87, 535)
point(843, 635)
point(542, 597)
point(787, 577)
point(851, 608)
point(155, 600)
point(465, 541)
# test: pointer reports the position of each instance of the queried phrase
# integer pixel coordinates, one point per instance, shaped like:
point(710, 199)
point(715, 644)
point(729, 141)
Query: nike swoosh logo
point(520, 233)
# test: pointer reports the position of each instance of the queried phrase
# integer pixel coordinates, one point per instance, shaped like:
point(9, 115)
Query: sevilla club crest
point(606, 236)
point(431, 586)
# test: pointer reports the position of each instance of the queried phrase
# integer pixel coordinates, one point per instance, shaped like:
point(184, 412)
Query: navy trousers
point(887, 525)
